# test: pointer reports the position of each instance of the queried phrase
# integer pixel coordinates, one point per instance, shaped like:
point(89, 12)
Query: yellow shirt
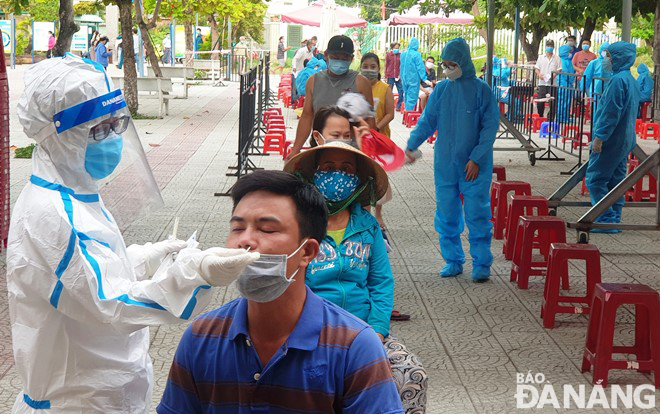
point(337, 235)
point(379, 91)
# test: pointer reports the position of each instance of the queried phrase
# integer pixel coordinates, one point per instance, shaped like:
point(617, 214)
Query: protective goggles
point(116, 124)
point(448, 66)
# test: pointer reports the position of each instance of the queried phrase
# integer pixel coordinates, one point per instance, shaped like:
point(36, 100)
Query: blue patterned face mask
point(336, 185)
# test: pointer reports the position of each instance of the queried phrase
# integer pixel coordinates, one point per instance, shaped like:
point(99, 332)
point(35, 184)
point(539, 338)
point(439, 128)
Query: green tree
point(371, 10)
point(642, 28)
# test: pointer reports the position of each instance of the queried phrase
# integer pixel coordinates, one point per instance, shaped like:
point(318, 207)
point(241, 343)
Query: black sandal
point(398, 316)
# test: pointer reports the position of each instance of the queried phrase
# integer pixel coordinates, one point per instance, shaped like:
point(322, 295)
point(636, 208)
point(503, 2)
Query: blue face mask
point(395, 51)
point(336, 185)
point(338, 67)
point(102, 157)
point(585, 47)
point(549, 49)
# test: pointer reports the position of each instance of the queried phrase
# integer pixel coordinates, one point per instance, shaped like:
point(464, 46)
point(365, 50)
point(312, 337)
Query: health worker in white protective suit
point(80, 301)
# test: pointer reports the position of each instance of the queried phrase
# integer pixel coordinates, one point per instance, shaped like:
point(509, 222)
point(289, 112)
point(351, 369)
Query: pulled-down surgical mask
point(265, 279)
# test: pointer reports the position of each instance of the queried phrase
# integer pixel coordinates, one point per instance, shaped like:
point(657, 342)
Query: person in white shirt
point(304, 53)
point(546, 64)
point(167, 50)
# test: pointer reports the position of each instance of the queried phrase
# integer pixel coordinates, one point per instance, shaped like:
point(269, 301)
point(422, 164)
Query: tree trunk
point(146, 39)
point(130, 73)
point(656, 61)
point(67, 28)
point(531, 49)
point(475, 12)
point(214, 37)
point(589, 27)
point(187, 26)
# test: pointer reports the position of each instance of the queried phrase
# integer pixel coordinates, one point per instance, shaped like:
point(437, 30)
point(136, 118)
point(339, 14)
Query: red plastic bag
point(382, 150)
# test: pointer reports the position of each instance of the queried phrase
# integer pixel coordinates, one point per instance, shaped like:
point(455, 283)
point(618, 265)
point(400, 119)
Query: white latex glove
point(155, 253)
point(428, 82)
point(221, 266)
point(597, 145)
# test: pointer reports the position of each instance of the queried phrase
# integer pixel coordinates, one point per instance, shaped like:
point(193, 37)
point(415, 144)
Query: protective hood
point(603, 47)
point(623, 56)
point(312, 63)
point(565, 51)
point(51, 87)
point(414, 44)
point(85, 134)
point(642, 70)
point(457, 50)
point(496, 61)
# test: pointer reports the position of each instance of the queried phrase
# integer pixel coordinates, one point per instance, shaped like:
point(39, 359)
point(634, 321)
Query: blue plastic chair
point(545, 128)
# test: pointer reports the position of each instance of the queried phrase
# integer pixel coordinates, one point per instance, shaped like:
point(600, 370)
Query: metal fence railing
point(254, 100)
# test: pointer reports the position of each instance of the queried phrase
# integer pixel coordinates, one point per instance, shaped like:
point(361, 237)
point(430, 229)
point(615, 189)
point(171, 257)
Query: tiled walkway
point(472, 338)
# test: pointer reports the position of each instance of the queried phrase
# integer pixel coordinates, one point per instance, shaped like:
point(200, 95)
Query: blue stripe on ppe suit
point(614, 124)
point(466, 116)
point(564, 82)
point(595, 70)
point(645, 82)
point(413, 72)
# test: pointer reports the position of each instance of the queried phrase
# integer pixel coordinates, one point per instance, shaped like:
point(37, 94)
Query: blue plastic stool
point(545, 128)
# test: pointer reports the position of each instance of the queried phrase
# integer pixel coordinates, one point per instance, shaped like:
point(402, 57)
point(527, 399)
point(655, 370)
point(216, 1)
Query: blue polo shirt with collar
point(332, 362)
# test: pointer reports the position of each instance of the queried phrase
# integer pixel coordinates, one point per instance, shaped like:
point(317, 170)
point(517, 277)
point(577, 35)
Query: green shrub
point(24, 152)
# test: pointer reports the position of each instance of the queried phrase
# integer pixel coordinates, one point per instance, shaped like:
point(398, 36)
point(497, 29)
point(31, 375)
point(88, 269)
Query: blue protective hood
point(312, 63)
point(496, 61)
point(623, 56)
point(642, 69)
point(565, 51)
point(457, 50)
point(414, 44)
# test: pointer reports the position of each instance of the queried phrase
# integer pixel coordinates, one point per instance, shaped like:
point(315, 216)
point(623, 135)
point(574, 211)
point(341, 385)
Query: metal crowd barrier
point(254, 100)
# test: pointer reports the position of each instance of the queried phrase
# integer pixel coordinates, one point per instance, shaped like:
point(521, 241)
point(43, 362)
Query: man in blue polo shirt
point(280, 348)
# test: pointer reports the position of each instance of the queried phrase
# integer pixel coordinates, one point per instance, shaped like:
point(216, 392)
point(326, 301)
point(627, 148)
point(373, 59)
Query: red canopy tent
point(403, 20)
point(311, 16)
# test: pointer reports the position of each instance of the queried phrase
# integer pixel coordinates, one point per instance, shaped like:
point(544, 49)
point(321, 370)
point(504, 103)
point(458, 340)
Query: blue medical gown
point(466, 116)
point(614, 124)
point(645, 82)
point(595, 70)
point(313, 66)
point(565, 83)
point(413, 72)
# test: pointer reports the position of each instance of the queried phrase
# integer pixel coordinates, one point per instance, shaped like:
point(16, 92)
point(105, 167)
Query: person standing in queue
point(614, 130)
point(464, 111)
point(326, 87)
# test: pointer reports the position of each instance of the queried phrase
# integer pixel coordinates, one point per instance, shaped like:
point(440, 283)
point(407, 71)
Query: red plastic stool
point(529, 120)
point(406, 115)
point(599, 347)
point(560, 254)
point(274, 142)
point(536, 125)
point(301, 102)
point(521, 205)
point(550, 230)
point(500, 172)
point(584, 190)
point(644, 111)
point(432, 138)
point(582, 142)
point(567, 133)
point(412, 119)
point(655, 131)
point(638, 126)
point(499, 191)
point(639, 192)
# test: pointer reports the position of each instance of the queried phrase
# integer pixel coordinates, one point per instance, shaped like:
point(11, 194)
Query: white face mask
point(454, 74)
point(429, 65)
point(265, 279)
point(604, 53)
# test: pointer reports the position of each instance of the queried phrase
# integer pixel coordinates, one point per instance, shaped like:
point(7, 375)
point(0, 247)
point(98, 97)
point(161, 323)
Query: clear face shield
point(113, 157)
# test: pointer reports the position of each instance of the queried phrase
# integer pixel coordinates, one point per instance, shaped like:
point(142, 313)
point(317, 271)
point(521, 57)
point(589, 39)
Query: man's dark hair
point(311, 211)
point(430, 57)
point(571, 37)
point(305, 62)
point(314, 38)
point(321, 116)
point(135, 30)
point(103, 38)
